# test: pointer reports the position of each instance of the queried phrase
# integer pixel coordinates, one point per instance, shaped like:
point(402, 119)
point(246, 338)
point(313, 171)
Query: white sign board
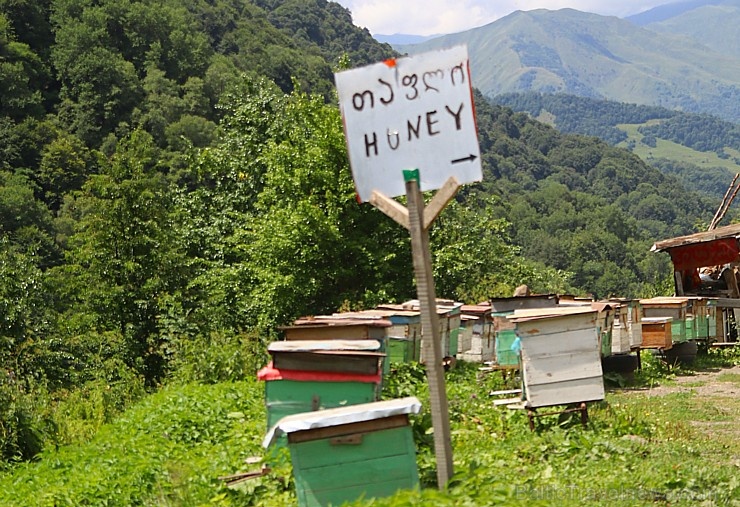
point(410, 113)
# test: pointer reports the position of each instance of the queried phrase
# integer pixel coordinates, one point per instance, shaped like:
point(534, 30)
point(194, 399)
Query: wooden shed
point(560, 353)
point(706, 264)
point(343, 454)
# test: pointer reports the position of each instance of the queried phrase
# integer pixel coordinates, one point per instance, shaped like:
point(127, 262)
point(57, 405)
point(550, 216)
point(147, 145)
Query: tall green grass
point(170, 449)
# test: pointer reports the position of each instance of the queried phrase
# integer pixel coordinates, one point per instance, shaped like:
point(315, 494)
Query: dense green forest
point(601, 118)
point(702, 132)
point(580, 115)
point(174, 185)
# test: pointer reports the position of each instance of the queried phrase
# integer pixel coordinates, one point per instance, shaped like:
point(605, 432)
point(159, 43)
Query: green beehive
point(341, 455)
point(505, 354)
point(691, 330)
point(315, 375)
point(712, 312)
point(400, 350)
point(288, 397)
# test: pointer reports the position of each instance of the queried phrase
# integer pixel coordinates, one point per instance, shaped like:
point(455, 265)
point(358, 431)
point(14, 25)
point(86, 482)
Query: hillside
point(701, 150)
point(174, 187)
point(670, 436)
point(572, 52)
point(712, 24)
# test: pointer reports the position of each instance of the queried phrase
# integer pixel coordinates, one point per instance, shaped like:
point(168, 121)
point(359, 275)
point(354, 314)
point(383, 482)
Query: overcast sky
point(430, 17)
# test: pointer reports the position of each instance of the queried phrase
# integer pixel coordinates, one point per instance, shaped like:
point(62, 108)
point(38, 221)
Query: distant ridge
point(671, 10)
point(602, 57)
point(403, 38)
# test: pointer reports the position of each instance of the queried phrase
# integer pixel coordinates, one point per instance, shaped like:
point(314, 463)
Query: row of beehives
point(322, 395)
point(629, 324)
point(562, 344)
point(323, 385)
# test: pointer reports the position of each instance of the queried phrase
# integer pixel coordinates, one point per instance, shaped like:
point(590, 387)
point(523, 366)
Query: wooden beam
point(443, 196)
point(390, 207)
point(678, 278)
point(432, 347)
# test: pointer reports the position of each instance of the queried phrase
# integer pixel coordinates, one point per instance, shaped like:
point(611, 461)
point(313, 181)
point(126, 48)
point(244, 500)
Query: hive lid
point(343, 415)
point(324, 346)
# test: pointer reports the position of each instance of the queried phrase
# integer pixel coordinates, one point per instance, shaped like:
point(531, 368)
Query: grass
point(677, 449)
point(675, 151)
point(733, 378)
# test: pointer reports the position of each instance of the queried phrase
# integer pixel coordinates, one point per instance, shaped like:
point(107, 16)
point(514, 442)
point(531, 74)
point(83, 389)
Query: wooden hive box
point(289, 392)
point(657, 333)
point(337, 328)
point(404, 335)
point(337, 356)
point(675, 307)
point(478, 345)
point(621, 330)
point(465, 338)
point(700, 314)
point(343, 454)
point(635, 324)
point(561, 359)
point(604, 326)
point(448, 319)
point(506, 354)
point(712, 328)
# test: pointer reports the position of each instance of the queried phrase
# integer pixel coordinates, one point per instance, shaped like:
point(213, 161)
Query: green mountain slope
point(596, 56)
point(700, 149)
point(715, 26)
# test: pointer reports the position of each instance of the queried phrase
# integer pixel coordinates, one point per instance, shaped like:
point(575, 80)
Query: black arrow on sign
point(469, 158)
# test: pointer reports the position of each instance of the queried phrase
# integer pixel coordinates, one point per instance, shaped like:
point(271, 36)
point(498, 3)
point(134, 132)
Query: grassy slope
point(674, 151)
point(171, 448)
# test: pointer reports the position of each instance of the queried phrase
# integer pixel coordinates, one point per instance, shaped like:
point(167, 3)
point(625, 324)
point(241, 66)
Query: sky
point(432, 17)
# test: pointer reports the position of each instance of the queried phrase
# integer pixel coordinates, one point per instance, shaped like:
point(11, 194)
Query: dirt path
point(711, 383)
point(715, 401)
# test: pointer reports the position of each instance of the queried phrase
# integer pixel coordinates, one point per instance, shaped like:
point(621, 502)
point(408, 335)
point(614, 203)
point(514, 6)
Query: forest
point(174, 185)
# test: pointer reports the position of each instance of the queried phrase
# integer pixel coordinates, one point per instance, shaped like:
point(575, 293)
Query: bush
point(25, 423)
point(219, 357)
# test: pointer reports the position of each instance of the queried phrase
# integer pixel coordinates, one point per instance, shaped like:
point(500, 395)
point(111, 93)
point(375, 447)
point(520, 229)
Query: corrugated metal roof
point(728, 231)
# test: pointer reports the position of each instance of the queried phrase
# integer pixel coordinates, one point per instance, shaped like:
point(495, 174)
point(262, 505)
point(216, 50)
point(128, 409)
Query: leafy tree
point(125, 252)
point(21, 73)
point(66, 163)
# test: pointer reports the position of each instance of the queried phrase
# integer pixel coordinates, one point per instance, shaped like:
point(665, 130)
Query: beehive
point(481, 346)
point(343, 454)
point(309, 375)
point(675, 307)
point(657, 332)
point(560, 354)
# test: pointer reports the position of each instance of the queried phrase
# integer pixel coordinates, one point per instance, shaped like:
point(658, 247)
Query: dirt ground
point(710, 383)
point(716, 391)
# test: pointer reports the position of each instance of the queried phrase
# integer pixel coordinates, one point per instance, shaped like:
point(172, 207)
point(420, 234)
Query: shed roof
point(728, 231)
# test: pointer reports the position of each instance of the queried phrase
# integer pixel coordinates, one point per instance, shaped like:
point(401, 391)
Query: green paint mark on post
point(410, 175)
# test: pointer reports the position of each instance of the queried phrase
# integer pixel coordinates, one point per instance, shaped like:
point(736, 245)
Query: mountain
point(403, 38)
point(701, 151)
point(573, 52)
point(671, 10)
point(714, 24)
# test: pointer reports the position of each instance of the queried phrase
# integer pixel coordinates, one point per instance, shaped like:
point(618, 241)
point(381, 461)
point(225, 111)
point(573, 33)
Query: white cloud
point(428, 17)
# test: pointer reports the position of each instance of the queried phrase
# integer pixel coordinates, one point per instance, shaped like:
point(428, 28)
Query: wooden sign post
point(417, 220)
point(415, 112)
